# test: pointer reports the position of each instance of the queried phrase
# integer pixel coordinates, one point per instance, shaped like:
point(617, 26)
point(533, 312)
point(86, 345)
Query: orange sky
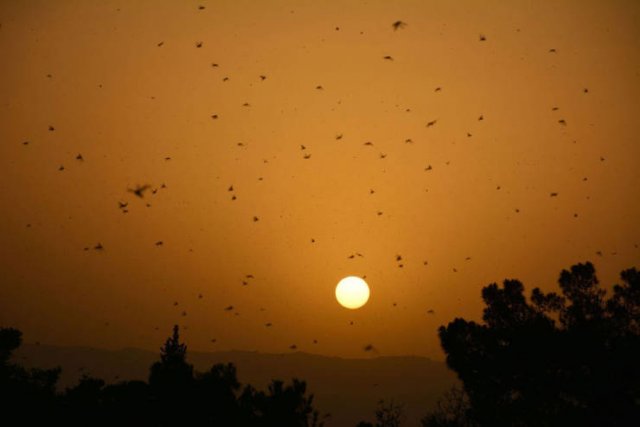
point(96, 73)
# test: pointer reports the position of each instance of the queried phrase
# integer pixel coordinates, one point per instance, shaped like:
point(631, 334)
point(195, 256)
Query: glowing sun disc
point(352, 292)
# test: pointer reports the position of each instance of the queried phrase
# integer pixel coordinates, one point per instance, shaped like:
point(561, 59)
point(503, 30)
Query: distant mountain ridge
point(348, 389)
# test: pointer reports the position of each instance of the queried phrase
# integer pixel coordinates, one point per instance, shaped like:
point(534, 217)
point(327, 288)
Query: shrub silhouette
point(552, 360)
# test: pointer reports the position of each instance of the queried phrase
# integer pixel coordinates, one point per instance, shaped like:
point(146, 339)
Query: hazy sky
point(123, 84)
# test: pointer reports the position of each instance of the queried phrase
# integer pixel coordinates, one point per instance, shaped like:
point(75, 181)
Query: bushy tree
point(569, 359)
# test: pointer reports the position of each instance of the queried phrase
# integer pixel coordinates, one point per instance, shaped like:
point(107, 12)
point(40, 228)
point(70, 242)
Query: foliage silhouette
point(216, 395)
point(388, 414)
point(27, 395)
point(569, 359)
point(451, 411)
point(174, 395)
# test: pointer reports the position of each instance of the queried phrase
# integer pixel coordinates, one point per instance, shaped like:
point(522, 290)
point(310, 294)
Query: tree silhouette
point(171, 374)
point(171, 382)
point(174, 396)
point(570, 359)
point(28, 395)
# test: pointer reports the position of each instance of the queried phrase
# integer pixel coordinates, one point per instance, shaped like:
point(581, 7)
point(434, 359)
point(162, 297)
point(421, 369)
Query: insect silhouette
point(139, 190)
point(398, 25)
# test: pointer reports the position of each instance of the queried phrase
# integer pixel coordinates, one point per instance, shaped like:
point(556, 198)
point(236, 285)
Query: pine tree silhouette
point(552, 360)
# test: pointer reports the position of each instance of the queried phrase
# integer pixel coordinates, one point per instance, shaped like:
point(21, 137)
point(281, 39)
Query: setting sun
point(352, 292)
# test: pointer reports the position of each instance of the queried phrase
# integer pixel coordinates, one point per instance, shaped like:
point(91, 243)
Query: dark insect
point(398, 25)
point(139, 190)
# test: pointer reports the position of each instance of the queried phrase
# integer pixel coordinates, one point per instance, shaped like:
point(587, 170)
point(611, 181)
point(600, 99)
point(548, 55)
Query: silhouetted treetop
point(555, 359)
point(624, 305)
point(585, 297)
point(173, 351)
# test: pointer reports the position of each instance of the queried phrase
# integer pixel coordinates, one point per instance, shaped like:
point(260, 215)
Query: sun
point(352, 292)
